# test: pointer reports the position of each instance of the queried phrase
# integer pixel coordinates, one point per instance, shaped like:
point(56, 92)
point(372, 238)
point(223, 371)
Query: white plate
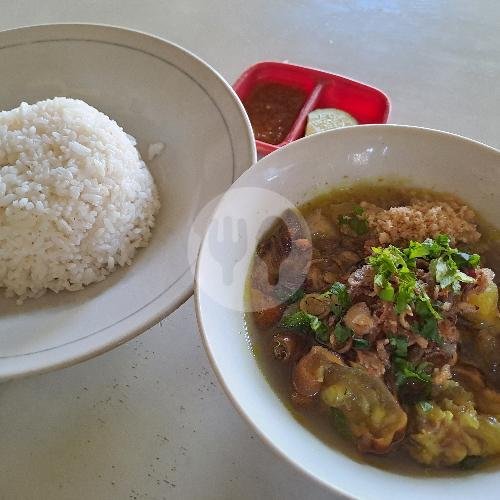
point(158, 92)
point(424, 157)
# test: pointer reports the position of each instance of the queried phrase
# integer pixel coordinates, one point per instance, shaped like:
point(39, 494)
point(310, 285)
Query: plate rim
point(66, 355)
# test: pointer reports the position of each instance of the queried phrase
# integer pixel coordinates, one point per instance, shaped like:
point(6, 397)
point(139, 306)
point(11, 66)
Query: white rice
point(155, 150)
point(76, 200)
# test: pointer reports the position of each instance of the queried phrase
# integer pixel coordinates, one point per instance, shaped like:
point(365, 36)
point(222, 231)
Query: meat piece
point(484, 278)
point(439, 356)
point(340, 347)
point(415, 339)
point(267, 311)
point(386, 317)
point(346, 259)
point(354, 243)
point(381, 346)
point(317, 280)
point(359, 319)
point(259, 277)
point(441, 375)
point(371, 362)
point(402, 318)
point(309, 372)
point(448, 330)
point(293, 270)
point(360, 282)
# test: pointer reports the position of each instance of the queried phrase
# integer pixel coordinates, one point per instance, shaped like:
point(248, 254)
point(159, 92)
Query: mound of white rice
point(76, 200)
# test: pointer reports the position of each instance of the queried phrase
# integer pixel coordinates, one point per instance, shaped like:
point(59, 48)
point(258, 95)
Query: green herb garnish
point(399, 346)
point(396, 280)
point(447, 274)
point(445, 261)
point(341, 301)
point(427, 324)
point(404, 371)
point(355, 221)
point(387, 293)
point(342, 333)
point(399, 265)
point(425, 406)
point(390, 263)
point(307, 323)
point(361, 344)
point(464, 259)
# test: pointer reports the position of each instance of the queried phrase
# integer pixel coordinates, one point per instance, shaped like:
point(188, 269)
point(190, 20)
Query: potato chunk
point(448, 429)
point(486, 302)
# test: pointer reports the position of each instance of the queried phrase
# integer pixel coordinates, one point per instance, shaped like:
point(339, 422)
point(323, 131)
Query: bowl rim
point(197, 291)
point(66, 355)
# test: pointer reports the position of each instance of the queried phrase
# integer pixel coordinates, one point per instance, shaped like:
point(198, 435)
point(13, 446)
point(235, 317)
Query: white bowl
point(158, 92)
point(297, 172)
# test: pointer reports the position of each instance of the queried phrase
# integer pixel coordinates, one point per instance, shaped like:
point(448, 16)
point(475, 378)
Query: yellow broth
point(317, 418)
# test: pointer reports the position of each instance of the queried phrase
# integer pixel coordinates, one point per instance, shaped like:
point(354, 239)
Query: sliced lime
point(320, 120)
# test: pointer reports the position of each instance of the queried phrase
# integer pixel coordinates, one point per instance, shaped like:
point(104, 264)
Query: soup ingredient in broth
point(272, 109)
point(420, 219)
point(321, 120)
point(76, 200)
point(392, 331)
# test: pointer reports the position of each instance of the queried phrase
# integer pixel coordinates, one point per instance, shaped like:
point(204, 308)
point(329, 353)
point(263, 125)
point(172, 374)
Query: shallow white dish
point(158, 92)
point(297, 172)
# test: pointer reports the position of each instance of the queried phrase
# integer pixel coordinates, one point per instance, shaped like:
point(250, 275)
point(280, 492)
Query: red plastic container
point(325, 90)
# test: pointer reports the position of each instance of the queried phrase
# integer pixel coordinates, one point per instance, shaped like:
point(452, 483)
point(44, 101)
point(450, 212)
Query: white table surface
point(149, 420)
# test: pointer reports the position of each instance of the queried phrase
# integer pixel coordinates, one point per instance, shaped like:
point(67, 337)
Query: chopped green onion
point(355, 221)
point(404, 371)
point(307, 323)
point(387, 293)
point(425, 406)
point(341, 301)
point(399, 345)
point(360, 343)
point(342, 333)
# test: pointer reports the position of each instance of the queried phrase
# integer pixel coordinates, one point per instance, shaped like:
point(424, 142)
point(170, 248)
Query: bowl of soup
point(347, 296)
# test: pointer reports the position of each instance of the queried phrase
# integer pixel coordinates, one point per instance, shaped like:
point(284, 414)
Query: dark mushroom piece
point(316, 304)
point(359, 319)
point(289, 347)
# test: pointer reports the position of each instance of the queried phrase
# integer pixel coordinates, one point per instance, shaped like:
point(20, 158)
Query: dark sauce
point(273, 109)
